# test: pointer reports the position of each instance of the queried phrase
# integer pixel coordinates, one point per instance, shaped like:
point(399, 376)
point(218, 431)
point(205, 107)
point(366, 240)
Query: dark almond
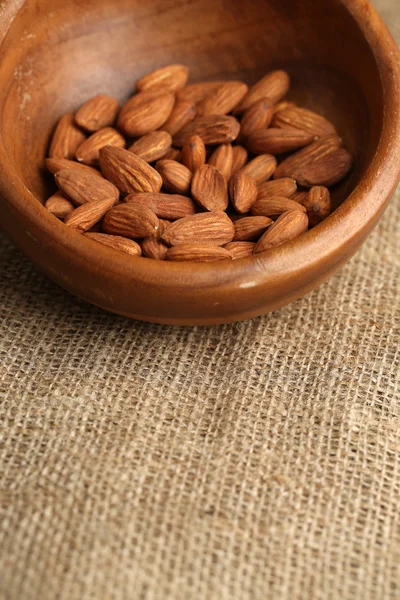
point(213, 228)
point(326, 171)
point(288, 227)
point(176, 177)
point(222, 159)
point(209, 188)
point(128, 220)
point(194, 153)
point(273, 86)
point(97, 113)
point(59, 206)
point(256, 118)
point(304, 120)
point(128, 172)
point(153, 146)
point(171, 78)
point(213, 129)
point(84, 217)
point(249, 229)
point(243, 192)
point(81, 187)
point(166, 206)
point(317, 204)
point(66, 138)
point(285, 188)
point(88, 152)
point(277, 141)
point(198, 253)
point(116, 242)
point(223, 100)
point(260, 168)
point(60, 164)
point(182, 114)
point(294, 164)
point(146, 115)
point(240, 249)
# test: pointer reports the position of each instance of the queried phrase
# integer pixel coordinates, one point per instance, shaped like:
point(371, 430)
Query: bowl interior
point(60, 53)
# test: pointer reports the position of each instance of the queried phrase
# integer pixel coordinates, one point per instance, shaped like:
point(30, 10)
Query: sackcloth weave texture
point(251, 461)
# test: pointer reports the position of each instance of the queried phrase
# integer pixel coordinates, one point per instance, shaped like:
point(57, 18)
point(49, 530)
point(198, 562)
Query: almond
point(243, 192)
point(285, 187)
point(195, 92)
point(128, 220)
point(182, 114)
point(194, 153)
point(248, 229)
point(213, 129)
point(81, 187)
point(116, 242)
point(197, 252)
point(84, 217)
point(209, 188)
point(273, 86)
point(317, 204)
point(283, 105)
point(277, 141)
point(176, 177)
point(239, 159)
point(260, 168)
point(166, 206)
point(294, 164)
point(66, 138)
point(213, 228)
point(88, 152)
point(240, 249)
point(222, 159)
point(128, 172)
point(171, 78)
point(274, 206)
point(223, 100)
point(152, 146)
point(288, 227)
point(148, 114)
point(153, 246)
point(256, 118)
point(59, 206)
point(60, 164)
point(327, 170)
point(97, 113)
point(299, 196)
point(304, 120)
point(173, 154)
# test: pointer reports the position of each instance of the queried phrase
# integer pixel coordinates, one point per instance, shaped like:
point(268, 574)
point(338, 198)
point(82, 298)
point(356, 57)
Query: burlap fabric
point(253, 461)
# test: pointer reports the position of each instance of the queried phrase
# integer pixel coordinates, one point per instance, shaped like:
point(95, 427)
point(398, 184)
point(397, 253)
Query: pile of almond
point(201, 172)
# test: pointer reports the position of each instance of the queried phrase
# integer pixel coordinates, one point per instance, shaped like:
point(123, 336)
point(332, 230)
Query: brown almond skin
point(198, 253)
point(182, 114)
point(84, 217)
point(239, 158)
point(289, 226)
point(249, 229)
point(194, 154)
point(97, 113)
point(283, 105)
point(260, 168)
point(81, 187)
point(273, 86)
point(222, 159)
point(295, 163)
point(278, 141)
point(154, 247)
point(240, 249)
point(66, 138)
point(172, 78)
point(273, 206)
point(209, 188)
point(173, 154)
point(317, 204)
point(128, 220)
point(213, 228)
point(59, 206)
point(213, 129)
point(116, 242)
point(176, 177)
point(88, 152)
point(285, 188)
point(54, 165)
point(148, 116)
point(223, 100)
point(300, 196)
point(304, 120)
point(257, 117)
point(243, 192)
point(196, 92)
point(153, 146)
point(128, 172)
point(165, 206)
point(326, 171)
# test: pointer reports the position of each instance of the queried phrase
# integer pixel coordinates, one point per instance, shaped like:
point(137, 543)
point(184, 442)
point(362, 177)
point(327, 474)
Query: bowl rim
point(351, 221)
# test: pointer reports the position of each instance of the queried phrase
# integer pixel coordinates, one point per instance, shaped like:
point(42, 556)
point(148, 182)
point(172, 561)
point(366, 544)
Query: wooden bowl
point(55, 54)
